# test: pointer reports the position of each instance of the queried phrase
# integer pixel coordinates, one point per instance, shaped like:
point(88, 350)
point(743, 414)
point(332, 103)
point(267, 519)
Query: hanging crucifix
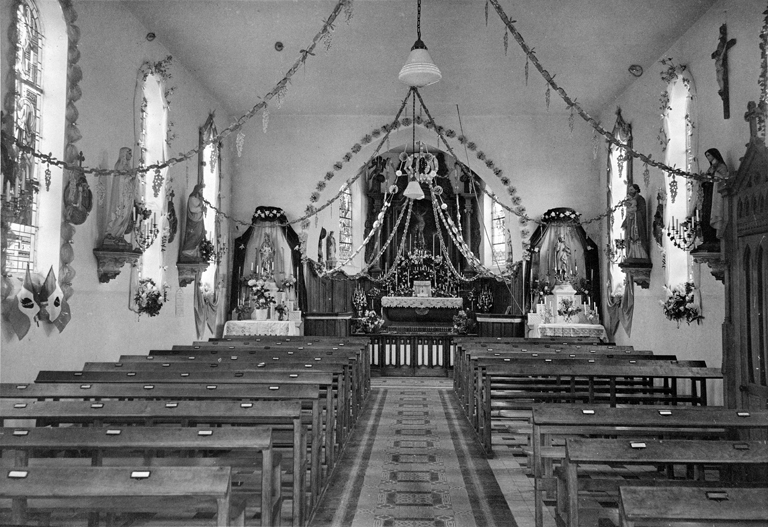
point(720, 56)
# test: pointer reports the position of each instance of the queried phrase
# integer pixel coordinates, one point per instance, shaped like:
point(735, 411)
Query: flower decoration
point(568, 309)
point(485, 301)
point(207, 291)
point(149, 298)
point(462, 323)
point(281, 310)
point(260, 294)
point(370, 322)
point(288, 282)
point(208, 251)
point(681, 304)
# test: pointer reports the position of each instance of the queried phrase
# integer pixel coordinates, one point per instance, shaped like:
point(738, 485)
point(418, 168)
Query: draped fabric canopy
point(268, 222)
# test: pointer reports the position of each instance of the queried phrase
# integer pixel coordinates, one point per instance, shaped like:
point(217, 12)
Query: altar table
point(261, 327)
point(420, 310)
point(573, 330)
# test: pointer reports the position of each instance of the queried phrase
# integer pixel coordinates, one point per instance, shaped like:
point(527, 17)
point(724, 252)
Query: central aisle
point(413, 462)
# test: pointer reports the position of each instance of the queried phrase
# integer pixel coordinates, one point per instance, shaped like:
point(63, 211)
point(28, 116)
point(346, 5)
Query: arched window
point(498, 235)
point(680, 151)
point(32, 191)
point(210, 176)
point(619, 178)
point(154, 126)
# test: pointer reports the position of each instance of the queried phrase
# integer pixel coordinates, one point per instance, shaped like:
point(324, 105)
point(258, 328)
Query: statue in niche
point(120, 203)
point(562, 254)
point(194, 230)
point(712, 215)
point(266, 258)
point(635, 225)
point(330, 250)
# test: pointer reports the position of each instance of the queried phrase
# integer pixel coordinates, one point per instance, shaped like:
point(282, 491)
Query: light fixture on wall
point(419, 70)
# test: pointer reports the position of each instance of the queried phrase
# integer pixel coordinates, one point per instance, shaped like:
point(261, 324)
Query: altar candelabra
point(683, 235)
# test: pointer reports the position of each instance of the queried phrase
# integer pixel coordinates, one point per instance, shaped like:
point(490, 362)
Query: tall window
point(498, 234)
point(619, 178)
point(32, 191)
point(680, 153)
point(345, 223)
point(211, 170)
point(154, 117)
point(20, 203)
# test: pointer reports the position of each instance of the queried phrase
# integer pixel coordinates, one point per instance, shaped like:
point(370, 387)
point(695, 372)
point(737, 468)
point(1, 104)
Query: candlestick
point(251, 266)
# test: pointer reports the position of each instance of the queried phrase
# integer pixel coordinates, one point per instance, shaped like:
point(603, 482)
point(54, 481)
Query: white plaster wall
point(113, 47)
point(639, 105)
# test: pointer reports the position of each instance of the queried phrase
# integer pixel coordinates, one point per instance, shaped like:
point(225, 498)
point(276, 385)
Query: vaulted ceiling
point(229, 45)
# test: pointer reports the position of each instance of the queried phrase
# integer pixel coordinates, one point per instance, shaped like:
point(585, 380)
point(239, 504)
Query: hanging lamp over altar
point(413, 190)
point(419, 70)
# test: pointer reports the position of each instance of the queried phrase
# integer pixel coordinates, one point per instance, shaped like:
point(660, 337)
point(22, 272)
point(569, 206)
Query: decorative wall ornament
point(38, 299)
point(109, 263)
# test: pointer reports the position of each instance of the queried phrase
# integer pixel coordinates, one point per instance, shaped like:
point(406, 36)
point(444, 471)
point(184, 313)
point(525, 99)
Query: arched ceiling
point(229, 45)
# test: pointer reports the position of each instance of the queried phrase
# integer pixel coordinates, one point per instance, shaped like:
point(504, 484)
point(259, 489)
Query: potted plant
point(260, 298)
point(681, 304)
point(149, 298)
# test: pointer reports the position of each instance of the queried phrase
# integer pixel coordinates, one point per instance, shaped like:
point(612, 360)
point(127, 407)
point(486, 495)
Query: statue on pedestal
point(562, 254)
point(267, 258)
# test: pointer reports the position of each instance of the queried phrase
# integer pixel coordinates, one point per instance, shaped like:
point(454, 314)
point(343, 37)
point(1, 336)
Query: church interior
point(384, 262)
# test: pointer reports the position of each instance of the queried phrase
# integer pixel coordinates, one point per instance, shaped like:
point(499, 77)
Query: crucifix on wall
point(720, 56)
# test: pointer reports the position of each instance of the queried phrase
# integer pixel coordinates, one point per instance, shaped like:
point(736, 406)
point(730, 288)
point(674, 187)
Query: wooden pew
point(685, 506)
point(118, 489)
point(646, 452)
point(255, 443)
point(335, 436)
point(280, 415)
point(308, 394)
point(599, 383)
point(554, 420)
point(336, 367)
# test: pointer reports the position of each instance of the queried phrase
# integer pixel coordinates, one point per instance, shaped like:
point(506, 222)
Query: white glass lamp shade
point(413, 190)
point(419, 70)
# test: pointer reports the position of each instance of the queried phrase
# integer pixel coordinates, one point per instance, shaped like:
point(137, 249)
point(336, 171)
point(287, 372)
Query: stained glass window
point(345, 223)
point(498, 233)
point(20, 195)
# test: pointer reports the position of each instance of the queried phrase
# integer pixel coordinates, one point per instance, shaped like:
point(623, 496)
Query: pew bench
point(284, 417)
point(248, 450)
point(562, 420)
point(122, 489)
point(646, 452)
point(692, 507)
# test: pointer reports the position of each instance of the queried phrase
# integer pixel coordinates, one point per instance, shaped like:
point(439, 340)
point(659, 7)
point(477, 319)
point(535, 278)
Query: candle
point(251, 266)
point(697, 215)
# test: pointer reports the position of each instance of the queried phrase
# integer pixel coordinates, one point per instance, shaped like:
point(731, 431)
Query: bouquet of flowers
point(259, 294)
point(149, 298)
point(681, 304)
point(359, 300)
point(288, 282)
point(462, 324)
point(281, 309)
point(208, 251)
point(568, 309)
point(370, 322)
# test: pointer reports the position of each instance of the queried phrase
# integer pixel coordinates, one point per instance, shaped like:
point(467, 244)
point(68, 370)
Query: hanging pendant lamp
point(413, 190)
point(419, 70)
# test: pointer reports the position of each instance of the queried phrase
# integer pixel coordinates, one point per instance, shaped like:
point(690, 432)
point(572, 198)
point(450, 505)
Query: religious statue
point(194, 230)
point(419, 229)
point(720, 56)
point(712, 215)
point(120, 203)
point(562, 253)
point(323, 234)
point(267, 257)
point(330, 250)
point(635, 225)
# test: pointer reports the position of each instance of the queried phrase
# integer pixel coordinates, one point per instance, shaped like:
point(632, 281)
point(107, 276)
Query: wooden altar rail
point(412, 354)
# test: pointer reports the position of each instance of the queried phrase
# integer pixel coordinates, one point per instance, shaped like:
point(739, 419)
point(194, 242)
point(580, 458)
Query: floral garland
point(573, 105)
point(280, 88)
point(149, 298)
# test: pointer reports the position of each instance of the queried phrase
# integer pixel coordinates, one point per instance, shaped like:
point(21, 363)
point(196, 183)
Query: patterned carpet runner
point(413, 462)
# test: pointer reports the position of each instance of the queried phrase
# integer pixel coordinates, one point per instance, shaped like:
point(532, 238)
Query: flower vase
point(259, 314)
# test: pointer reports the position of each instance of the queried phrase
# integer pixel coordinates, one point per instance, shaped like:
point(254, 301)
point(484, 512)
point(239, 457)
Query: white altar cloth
point(422, 302)
point(573, 330)
point(261, 327)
